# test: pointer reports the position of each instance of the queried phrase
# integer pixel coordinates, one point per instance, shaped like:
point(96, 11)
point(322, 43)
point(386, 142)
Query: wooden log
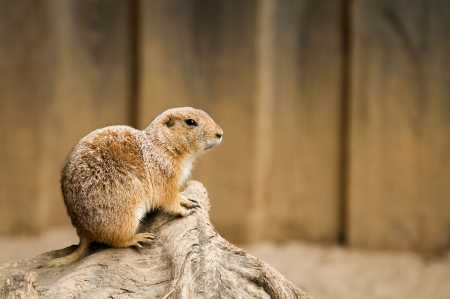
point(188, 260)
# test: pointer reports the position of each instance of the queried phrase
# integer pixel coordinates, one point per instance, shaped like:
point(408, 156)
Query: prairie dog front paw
point(188, 203)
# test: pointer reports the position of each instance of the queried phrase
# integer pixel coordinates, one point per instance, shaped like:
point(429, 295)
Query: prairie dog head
point(186, 131)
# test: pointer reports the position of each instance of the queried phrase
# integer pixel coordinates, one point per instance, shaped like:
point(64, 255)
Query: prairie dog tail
point(71, 258)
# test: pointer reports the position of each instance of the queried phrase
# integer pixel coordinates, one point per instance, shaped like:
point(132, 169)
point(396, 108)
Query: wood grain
point(400, 129)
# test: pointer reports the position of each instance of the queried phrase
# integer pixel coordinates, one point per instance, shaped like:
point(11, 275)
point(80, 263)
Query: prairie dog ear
point(169, 122)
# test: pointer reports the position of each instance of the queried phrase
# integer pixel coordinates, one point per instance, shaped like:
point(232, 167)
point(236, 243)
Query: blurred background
point(336, 114)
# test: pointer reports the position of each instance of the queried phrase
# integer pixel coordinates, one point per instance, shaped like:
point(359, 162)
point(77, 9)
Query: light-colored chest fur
point(186, 168)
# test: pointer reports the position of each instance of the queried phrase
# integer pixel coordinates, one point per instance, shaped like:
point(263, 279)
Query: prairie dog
point(115, 175)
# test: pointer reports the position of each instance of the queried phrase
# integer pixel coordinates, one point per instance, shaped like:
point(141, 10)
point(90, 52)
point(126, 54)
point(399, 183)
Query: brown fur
point(117, 174)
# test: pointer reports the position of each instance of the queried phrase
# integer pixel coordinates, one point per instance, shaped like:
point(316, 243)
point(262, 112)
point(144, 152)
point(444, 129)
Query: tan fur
point(117, 174)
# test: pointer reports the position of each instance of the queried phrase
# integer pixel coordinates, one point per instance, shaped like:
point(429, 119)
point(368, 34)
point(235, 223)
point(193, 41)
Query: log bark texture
point(188, 260)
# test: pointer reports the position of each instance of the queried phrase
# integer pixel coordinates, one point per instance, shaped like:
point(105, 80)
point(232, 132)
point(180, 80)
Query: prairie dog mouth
point(210, 146)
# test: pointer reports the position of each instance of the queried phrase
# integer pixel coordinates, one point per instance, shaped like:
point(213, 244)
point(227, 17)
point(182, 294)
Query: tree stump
point(189, 259)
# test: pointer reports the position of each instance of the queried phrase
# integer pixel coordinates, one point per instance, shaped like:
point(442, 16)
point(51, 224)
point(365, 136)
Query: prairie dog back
point(107, 171)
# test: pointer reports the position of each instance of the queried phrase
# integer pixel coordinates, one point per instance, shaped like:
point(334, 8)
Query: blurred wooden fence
point(336, 113)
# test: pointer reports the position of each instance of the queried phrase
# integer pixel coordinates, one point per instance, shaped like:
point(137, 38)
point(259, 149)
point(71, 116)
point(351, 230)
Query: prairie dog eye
point(190, 122)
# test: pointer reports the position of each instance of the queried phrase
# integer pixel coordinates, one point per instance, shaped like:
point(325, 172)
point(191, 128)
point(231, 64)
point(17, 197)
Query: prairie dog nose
point(219, 133)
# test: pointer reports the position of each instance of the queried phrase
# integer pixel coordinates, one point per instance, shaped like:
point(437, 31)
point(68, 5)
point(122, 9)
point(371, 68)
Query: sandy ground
point(335, 272)
point(323, 272)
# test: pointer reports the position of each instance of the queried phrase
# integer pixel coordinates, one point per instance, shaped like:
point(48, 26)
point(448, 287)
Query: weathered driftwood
point(188, 260)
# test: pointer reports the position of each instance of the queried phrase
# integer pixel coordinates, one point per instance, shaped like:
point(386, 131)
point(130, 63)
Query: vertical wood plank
point(224, 34)
point(303, 189)
point(264, 120)
point(400, 125)
point(91, 81)
point(65, 71)
point(25, 54)
point(201, 54)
